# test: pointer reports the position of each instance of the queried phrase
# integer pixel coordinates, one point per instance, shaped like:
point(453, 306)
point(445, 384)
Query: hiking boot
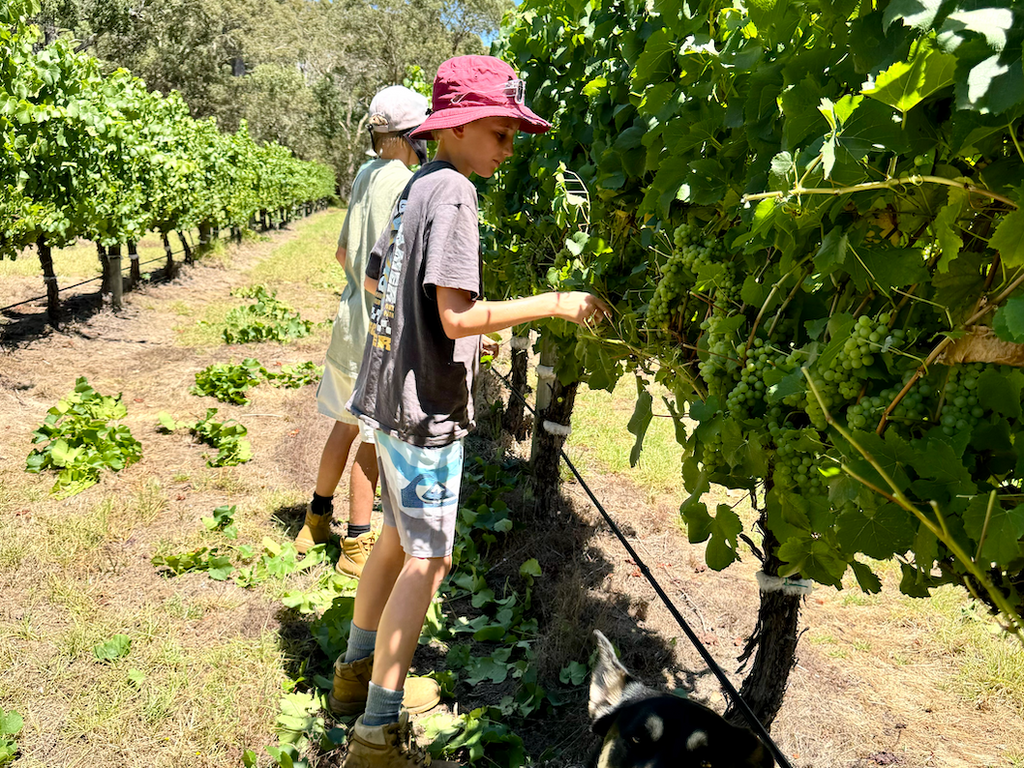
point(388, 746)
point(315, 530)
point(352, 683)
point(354, 552)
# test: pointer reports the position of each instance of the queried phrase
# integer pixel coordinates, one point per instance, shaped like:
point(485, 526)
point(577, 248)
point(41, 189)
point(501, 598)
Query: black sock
point(356, 530)
point(321, 505)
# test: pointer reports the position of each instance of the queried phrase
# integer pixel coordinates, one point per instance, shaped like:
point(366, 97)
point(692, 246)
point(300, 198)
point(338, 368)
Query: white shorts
point(331, 395)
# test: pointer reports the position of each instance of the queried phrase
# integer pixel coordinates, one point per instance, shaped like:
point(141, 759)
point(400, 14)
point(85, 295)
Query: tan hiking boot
point(388, 746)
point(354, 553)
point(315, 530)
point(352, 683)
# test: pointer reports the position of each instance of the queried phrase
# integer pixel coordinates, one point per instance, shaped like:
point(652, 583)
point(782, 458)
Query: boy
point(415, 386)
point(394, 112)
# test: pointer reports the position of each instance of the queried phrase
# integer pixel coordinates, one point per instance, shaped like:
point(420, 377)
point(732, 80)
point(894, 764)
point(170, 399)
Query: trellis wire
point(726, 684)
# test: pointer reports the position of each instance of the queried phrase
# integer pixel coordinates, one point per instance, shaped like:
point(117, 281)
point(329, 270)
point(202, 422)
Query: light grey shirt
point(374, 192)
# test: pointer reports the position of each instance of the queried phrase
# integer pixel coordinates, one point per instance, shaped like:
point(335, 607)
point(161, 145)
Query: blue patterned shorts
point(419, 490)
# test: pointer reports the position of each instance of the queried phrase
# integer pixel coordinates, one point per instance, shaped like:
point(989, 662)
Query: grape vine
point(795, 233)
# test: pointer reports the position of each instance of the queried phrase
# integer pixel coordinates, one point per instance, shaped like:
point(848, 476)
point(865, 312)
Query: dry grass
point(208, 659)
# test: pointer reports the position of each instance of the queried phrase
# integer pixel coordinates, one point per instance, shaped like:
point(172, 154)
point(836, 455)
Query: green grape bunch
point(697, 263)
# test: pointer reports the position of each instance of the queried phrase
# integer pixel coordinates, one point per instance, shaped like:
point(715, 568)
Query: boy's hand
point(582, 308)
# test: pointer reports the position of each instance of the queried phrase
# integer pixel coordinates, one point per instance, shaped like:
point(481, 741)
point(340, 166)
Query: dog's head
point(643, 728)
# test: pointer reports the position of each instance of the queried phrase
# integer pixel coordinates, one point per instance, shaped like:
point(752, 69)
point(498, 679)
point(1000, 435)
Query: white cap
point(397, 108)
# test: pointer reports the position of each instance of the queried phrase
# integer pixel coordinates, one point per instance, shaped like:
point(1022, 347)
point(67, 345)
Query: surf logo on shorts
point(436, 495)
point(424, 484)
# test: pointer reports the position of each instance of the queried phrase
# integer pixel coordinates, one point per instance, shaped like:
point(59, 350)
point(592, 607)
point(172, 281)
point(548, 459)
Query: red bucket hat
point(469, 88)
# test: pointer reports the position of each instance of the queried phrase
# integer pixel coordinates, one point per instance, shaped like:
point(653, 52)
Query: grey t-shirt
point(415, 383)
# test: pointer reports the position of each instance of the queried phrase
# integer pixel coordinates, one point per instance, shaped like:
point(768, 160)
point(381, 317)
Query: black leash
point(727, 685)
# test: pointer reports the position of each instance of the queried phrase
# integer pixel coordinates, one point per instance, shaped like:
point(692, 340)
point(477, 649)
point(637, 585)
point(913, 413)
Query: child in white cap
point(394, 112)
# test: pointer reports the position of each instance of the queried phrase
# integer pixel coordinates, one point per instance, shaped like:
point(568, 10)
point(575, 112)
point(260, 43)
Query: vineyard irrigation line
point(726, 684)
point(93, 280)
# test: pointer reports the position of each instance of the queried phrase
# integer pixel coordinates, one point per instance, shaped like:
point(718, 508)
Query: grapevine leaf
point(595, 86)
point(812, 558)
point(866, 578)
point(753, 458)
point(935, 459)
point(891, 454)
point(1008, 322)
point(946, 229)
point(794, 509)
point(918, 14)
point(957, 288)
point(657, 61)
point(640, 420)
point(698, 520)
point(725, 528)
point(904, 85)
point(1002, 531)
point(1008, 239)
point(1001, 391)
point(705, 183)
point(783, 172)
point(866, 126)
point(994, 24)
point(992, 86)
point(768, 13)
point(926, 548)
point(913, 583)
point(704, 411)
point(879, 533)
point(844, 489)
point(732, 438)
point(832, 252)
point(886, 268)
point(828, 156)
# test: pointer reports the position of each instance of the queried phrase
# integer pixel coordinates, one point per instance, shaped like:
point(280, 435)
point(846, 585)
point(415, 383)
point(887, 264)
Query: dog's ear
point(608, 680)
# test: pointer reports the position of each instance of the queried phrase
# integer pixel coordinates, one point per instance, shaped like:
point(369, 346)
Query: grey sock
point(382, 706)
point(360, 643)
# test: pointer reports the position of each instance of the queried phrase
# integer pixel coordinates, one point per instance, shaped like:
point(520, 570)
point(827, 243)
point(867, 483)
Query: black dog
point(643, 728)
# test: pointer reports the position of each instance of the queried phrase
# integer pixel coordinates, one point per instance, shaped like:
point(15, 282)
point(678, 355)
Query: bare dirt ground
point(878, 682)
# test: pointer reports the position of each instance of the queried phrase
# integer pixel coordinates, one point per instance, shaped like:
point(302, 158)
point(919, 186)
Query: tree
point(296, 71)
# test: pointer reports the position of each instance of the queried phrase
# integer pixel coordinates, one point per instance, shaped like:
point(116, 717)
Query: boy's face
point(486, 143)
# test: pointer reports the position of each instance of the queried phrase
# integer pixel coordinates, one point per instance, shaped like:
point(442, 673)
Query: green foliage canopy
point(84, 154)
point(804, 215)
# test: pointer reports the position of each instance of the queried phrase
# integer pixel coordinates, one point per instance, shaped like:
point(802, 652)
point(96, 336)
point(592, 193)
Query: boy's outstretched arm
point(462, 316)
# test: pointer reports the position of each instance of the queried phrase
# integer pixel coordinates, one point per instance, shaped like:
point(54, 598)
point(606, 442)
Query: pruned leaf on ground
point(81, 440)
point(11, 724)
point(223, 520)
point(267, 318)
point(114, 648)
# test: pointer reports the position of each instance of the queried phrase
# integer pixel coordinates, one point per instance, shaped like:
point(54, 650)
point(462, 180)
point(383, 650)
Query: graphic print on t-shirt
point(383, 312)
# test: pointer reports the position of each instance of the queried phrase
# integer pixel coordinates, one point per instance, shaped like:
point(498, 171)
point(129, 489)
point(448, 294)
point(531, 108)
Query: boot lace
point(366, 544)
point(406, 745)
